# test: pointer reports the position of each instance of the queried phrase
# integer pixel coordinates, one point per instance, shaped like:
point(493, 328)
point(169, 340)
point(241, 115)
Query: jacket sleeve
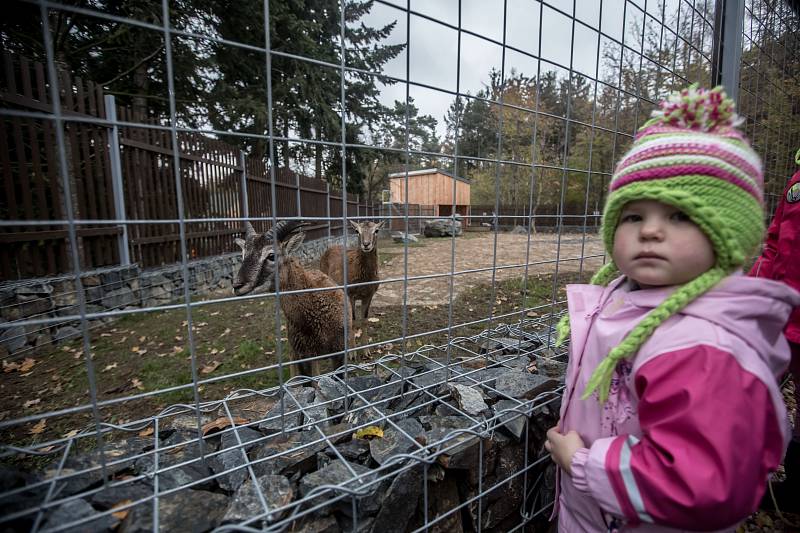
point(762, 268)
point(710, 436)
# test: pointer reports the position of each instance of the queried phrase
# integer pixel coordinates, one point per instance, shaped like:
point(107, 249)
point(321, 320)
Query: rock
point(337, 473)
point(246, 503)
point(355, 451)
point(521, 385)
point(504, 501)
point(66, 333)
point(316, 524)
point(292, 454)
point(551, 368)
point(119, 491)
point(510, 420)
point(460, 451)
point(442, 227)
point(13, 338)
point(178, 466)
point(184, 510)
point(187, 421)
point(331, 390)
point(28, 498)
point(395, 441)
point(519, 230)
point(468, 399)
point(42, 339)
point(499, 346)
point(292, 410)
point(443, 497)
point(119, 299)
point(317, 413)
point(434, 376)
point(116, 456)
point(74, 510)
point(404, 237)
point(485, 377)
point(403, 494)
point(230, 465)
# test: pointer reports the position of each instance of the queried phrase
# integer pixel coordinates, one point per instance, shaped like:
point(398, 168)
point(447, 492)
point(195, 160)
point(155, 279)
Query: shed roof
point(427, 171)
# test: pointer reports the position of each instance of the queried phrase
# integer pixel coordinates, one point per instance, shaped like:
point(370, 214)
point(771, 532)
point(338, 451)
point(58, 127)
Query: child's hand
point(563, 447)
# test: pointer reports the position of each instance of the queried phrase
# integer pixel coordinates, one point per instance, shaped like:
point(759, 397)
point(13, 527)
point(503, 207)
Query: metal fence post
point(328, 206)
point(116, 179)
point(245, 207)
point(727, 53)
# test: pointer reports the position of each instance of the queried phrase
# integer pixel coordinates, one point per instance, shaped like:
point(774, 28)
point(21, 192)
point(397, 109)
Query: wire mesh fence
point(179, 405)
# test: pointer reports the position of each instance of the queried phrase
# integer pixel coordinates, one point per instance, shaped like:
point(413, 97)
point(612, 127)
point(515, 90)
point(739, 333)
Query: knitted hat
point(691, 156)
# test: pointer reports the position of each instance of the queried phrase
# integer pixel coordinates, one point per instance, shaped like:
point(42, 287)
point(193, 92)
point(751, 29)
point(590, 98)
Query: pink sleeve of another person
point(710, 436)
point(762, 268)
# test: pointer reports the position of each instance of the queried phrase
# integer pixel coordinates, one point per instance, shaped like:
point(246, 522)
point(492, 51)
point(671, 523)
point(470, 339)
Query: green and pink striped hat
point(691, 155)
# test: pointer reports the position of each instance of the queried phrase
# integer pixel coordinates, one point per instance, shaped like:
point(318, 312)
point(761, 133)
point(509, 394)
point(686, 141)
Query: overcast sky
point(434, 47)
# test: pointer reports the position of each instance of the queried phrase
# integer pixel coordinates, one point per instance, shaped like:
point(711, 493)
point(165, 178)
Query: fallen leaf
point(221, 423)
point(202, 324)
point(142, 352)
point(147, 432)
point(70, 434)
point(38, 428)
point(178, 338)
point(105, 334)
point(135, 349)
point(210, 367)
point(120, 515)
point(137, 383)
point(373, 319)
point(143, 338)
point(110, 367)
point(214, 351)
point(45, 449)
point(9, 367)
point(531, 314)
point(369, 433)
point(185, 323)
point(227, 330)
point(357, 334)
point(177, 349)
point(248, 315)
point(215, 313)
point(31, 403)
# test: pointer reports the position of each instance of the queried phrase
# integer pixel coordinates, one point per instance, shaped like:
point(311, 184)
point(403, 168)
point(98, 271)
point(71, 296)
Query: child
point(671, 415)
point(779, 261)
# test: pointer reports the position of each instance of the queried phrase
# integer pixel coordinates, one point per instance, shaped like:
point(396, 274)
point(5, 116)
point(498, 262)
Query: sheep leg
point(365, 303)
point(353, 307)
point(307, 368)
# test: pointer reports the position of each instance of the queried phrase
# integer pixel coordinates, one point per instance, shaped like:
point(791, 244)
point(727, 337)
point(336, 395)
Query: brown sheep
point(315, 320)
point(362, 265)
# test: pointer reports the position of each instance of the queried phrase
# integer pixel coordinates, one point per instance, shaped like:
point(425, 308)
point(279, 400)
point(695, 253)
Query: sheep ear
point(293, 243)
point(356, 225)
point(240, 243)
point(380, 225)
point(249, 230)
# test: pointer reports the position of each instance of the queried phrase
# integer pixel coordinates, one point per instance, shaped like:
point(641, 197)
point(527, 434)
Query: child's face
point(657, 245)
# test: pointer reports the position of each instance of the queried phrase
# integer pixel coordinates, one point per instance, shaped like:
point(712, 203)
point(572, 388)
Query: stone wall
point(111, 289)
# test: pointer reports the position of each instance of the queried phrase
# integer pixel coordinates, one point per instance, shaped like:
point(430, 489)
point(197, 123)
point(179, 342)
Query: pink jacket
point(693, 424)
point(780, 259)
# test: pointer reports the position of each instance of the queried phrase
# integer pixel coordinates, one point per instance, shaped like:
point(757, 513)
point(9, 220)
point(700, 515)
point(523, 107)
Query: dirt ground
point(476, 251)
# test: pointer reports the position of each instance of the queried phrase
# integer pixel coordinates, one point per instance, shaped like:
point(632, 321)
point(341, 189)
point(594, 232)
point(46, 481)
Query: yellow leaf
point(38, 428)
point(31, 403)
point(143, 338)
point(177, 349)
point(9, 367)
point(369, 432)
point(136, 382)
point(70, 434)
point(147, 432)
point(373, 319)
point(110, 367)
point(357, 334)
point(27, 364)
point(135, 349)
point(215, 313)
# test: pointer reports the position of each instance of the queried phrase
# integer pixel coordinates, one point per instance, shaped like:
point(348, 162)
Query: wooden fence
point(130, 168)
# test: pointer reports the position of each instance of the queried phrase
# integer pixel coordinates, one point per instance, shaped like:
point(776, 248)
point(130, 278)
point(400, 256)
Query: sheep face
point(367, 234)
point(260, 257)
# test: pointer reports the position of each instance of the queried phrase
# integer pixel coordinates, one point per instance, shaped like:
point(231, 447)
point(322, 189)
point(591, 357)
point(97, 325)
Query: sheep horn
point(284, 228)
point(249, 230)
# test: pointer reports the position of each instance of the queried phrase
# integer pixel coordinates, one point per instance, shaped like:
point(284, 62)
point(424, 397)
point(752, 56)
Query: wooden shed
point(433, 187)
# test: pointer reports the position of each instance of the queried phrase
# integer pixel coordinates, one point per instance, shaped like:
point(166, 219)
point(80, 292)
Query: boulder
point(442, 227)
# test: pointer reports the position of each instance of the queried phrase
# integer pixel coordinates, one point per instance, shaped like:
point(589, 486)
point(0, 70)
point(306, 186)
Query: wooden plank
point(43, 235)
